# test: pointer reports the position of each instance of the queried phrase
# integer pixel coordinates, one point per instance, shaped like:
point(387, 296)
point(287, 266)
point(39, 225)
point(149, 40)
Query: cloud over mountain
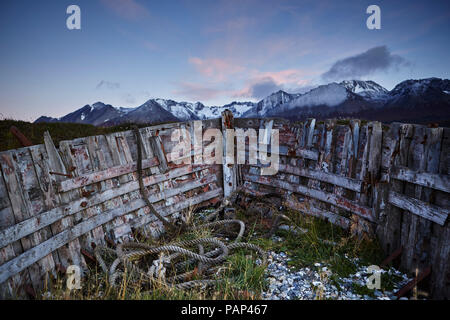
point(364, 64)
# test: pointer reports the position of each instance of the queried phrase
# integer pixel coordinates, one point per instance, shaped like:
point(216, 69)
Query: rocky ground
point(317, 282)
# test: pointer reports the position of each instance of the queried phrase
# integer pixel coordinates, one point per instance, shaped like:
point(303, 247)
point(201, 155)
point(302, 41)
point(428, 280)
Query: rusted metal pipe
point(20, 136)
point(392, 257)
point(68, 175)
point(410, 285)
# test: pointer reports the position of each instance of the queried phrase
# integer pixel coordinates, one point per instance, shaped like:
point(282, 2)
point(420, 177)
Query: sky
point(129, 51)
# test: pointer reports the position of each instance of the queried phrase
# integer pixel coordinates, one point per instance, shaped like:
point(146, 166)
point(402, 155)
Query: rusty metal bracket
point(88, 255)
point(394, 255)
point(20, 136)
point(410, 285)
point(68, 175)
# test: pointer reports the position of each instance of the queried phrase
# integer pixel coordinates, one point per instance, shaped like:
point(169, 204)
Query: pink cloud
point(261, 84)
point(128, 9)
point(218, 69)
point(283, 77)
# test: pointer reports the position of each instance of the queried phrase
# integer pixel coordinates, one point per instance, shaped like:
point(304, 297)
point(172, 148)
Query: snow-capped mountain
point(411, 100)
point(96, 114)
point(367, 89)
point(417, 101)
point(266, 105)
point(320, 102)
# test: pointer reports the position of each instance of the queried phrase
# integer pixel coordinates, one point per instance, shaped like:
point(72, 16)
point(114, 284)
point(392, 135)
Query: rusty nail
point(61, 174)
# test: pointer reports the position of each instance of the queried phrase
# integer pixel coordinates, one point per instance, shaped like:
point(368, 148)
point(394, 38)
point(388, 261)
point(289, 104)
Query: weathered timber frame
point(391, 181)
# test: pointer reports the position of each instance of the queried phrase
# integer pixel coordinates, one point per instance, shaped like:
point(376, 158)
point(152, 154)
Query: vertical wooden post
point(69, 254)
point(228, 163)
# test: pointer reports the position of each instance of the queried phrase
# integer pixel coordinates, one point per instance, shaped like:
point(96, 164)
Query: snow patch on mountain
point(330, 95)
point(366, 89)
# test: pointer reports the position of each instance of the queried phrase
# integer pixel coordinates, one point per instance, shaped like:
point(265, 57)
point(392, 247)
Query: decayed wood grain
point(228, 167)
point(389, 216)
point(36, 253)
point(69, 254)
point(420, 208)
point(18, 173)
point(440, 255)
point(325, 170)
point(26, 227)
point(430, 180)
point(331, 217)
point(423, 250)
point(416, 161)
point(98, 176)
point(332, 178)
point(158, 150)
point(333, 199)
point(9, 289)
point(304, 206)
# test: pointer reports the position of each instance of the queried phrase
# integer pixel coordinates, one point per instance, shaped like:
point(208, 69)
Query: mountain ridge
point(415, 100)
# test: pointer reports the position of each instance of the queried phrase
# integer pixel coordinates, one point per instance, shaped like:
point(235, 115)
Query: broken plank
point(430, 180)
point(333, 199)
point(419, 208)
point(26, 227)
point(34, 254)
point(94, 177)
point(347, 183)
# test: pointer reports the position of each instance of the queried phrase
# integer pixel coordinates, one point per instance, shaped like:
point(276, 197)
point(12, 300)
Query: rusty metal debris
point(25, 142)
point(410, 285)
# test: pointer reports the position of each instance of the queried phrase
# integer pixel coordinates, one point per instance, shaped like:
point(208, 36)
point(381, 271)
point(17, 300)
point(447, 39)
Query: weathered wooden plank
point(348, 183)
point(36, 202)
point(40, 161)
point(333, 199)
point(101, 159)
point(430, 180)
point(423, 251)
point(293, 152)
point(69, 254)
point(411, 226)
point(14, 166)
point(419, 208)
point(158, 150)
point(26, 227)
point(78, 157)
point(389, 217)
point(228, 167)
point(36, 253)
point(304, 207)
point(98, 176)
point(440, 235)
point(325, 162)
point(11, 288)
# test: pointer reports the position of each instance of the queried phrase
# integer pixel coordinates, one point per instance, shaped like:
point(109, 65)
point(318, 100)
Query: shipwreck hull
point(389, 181)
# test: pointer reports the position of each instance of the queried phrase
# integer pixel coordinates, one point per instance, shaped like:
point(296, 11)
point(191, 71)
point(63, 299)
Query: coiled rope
point(168, 264)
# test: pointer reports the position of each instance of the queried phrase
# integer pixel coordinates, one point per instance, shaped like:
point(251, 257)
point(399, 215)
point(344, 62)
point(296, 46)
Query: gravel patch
point(288, 283)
